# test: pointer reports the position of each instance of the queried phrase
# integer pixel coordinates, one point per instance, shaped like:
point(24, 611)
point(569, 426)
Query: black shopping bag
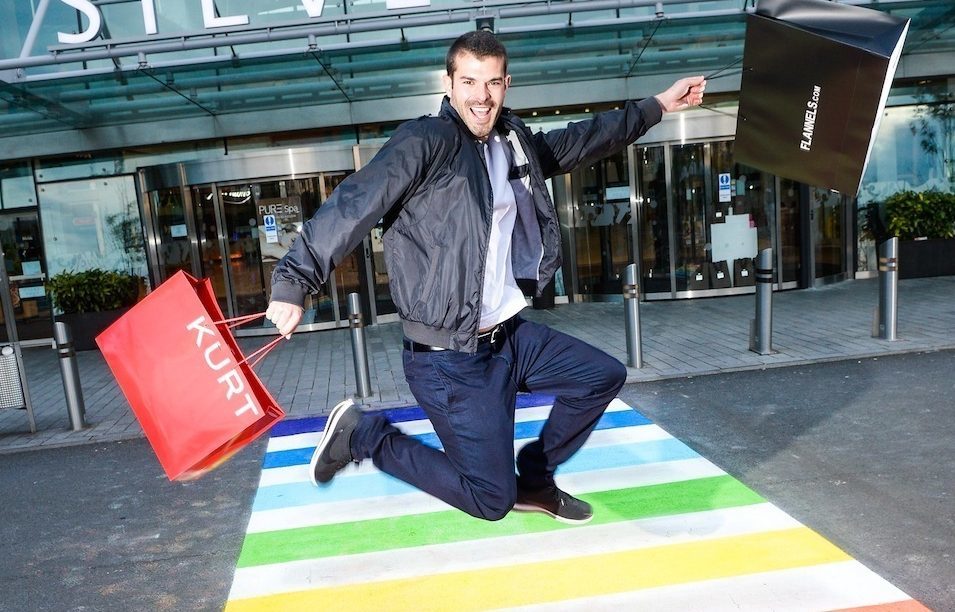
point(816, 75)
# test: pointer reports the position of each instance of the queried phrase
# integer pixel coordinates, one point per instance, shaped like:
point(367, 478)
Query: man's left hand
point(684, 93)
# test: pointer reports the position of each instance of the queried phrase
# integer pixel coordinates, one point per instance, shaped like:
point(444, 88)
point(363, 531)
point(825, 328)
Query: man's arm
point(583, 142)
point(341, 222)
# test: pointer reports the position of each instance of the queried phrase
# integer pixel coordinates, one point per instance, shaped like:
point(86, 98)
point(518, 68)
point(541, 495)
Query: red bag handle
point(258, 353)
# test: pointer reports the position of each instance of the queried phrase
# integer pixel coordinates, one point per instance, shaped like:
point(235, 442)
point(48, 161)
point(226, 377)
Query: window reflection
point(16, 186)
point(92, 224)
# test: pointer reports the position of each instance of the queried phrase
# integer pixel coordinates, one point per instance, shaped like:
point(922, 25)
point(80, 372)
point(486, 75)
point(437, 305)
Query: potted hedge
point(924, 222)
point(89, 301)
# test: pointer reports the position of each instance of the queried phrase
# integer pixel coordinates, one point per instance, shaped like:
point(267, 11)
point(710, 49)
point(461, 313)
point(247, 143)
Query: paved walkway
point(313, 371)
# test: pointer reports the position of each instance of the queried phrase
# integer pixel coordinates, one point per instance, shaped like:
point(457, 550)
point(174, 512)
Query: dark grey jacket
point(430, 185)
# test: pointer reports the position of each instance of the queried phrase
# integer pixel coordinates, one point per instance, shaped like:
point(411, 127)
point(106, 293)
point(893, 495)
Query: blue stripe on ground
point(290, 427)
point(378, 484)
point(522, 431)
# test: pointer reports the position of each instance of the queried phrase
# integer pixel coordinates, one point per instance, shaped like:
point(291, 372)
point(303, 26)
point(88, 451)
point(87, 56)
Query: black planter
point(921, 258)
point(85, 326)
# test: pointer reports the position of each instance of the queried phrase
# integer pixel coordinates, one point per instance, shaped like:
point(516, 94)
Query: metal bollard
point(887, 313)
point(358, 345)
point(631, 301)
point(761, 329)
point(63, 339)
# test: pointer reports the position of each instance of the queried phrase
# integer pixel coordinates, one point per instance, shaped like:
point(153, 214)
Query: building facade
point(163, 135)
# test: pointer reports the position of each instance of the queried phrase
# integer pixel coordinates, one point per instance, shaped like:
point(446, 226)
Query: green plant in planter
point(93, 290)
point(927, 214)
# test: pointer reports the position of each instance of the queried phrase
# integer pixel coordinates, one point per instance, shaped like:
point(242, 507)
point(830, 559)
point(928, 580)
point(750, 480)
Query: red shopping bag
point(194, 394)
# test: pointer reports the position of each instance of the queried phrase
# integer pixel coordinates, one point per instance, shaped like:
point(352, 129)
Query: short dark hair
point(480, 44)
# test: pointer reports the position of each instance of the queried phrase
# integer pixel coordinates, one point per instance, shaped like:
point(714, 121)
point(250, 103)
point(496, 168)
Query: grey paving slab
point(313, 371)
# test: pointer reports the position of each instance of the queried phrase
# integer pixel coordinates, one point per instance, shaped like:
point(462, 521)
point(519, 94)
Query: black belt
point(495, 336)
point(417, 347)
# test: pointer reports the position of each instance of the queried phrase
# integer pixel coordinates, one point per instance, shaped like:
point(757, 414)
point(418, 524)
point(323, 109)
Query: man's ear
point(507, 81)
point(446, 81)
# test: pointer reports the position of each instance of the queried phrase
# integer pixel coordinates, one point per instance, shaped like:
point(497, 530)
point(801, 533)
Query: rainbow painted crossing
point(671, 531)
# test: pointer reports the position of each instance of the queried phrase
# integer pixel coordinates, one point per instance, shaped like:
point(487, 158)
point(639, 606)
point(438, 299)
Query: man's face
point(476, 90)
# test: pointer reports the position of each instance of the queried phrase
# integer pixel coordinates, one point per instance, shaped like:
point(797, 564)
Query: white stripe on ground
point(601, 437)
point(521, 415)
point(506, 551)
point(418, 502)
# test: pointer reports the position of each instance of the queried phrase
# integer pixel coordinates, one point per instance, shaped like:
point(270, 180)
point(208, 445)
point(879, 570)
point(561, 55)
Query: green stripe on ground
point(453, 526)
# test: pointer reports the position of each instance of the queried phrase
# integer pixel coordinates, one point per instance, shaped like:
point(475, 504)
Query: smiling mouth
point(481, 112)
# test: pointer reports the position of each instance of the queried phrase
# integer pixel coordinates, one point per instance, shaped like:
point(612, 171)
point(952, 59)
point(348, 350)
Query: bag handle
point(260, 353)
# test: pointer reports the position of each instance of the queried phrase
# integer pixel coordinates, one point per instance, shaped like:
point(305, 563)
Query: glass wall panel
point(15, 19)
point(16, 186)
point(913, 151)
point(92, 224)
point(602, 225)
point(654, 241)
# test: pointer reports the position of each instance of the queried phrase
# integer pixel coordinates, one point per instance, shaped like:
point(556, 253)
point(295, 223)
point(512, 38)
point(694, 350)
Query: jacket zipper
point(489, 205)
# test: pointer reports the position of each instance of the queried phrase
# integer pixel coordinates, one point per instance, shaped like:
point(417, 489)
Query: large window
point(92, 223)
point(913, 151)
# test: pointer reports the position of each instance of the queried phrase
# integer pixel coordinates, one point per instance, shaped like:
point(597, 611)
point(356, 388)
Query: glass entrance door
point(245, 228)
point(174, 250)
point(654, 239)
point(745, 217)
point(23, 255)
point(692, 213)
point(206, 210)
point(703, 219)
point(350, 276)
point(827, 214)
point(790, 234)
point(603, 237)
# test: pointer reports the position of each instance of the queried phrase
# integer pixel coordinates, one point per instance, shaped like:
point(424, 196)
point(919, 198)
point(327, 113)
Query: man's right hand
point(285, 316)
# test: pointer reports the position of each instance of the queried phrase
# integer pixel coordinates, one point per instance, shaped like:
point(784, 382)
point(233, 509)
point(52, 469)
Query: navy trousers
point(470, 401)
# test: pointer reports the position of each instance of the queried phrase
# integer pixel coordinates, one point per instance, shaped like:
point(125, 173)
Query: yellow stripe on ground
point(553, 581)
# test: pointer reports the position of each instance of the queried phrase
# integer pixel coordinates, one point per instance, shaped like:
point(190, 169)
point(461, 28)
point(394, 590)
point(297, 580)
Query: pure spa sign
point(210, 20)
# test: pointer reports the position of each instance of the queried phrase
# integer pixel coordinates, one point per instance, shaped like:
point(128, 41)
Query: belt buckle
point(497, 337)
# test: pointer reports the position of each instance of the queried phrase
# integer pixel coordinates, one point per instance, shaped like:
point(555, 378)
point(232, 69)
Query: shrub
point(93, 290)
point(927, 214)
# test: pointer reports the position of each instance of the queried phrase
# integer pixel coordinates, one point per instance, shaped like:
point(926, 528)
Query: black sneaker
point(562, 506)
point(334, 451)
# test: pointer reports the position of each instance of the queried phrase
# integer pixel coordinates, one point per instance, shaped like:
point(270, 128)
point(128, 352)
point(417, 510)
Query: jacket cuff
point(652, 110)
point(287, 291)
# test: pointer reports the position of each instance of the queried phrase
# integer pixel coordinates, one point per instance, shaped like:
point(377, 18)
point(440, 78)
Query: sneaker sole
point(557, 517)
point(333, 418)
